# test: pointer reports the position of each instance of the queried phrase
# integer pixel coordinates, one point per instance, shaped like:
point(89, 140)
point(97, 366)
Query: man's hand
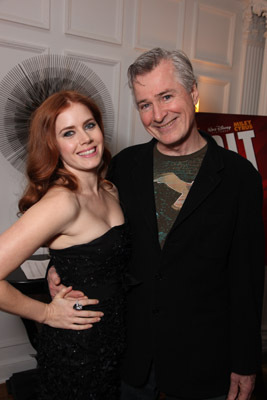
point(241, 386)
point(55, 286)
point(61, 313)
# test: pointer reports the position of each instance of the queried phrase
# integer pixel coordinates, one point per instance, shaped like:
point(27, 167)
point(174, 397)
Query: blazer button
point(155, 311)
point(158, 276)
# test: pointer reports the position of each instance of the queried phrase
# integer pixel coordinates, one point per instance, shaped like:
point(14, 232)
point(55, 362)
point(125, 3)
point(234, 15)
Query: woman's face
point(79, 139)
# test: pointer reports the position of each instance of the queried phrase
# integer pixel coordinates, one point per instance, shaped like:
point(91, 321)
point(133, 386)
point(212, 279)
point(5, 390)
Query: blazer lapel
point(206, 181)
point(142, 180)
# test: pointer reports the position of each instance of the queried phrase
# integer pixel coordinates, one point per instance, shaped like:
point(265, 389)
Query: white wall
point(108, 35)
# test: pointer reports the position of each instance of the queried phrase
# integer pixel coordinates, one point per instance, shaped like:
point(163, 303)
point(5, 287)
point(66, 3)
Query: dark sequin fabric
point(84, 365)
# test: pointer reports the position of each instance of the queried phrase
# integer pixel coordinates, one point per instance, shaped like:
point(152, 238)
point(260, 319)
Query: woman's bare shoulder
point(62, 200)
point(61, 192)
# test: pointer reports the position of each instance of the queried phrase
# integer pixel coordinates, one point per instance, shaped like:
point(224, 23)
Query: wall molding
point(230, 45)
point(118, 24)
point(262, 109)
point(226, 85)
point(92, 58)
point(15, 364)
point(142, 46)
point(43, 23)
point(254, 37)
point(13, 342)
point(13, 44)
point(16, 355)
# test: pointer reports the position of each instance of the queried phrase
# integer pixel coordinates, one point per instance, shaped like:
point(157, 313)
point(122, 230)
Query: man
point(194, 209)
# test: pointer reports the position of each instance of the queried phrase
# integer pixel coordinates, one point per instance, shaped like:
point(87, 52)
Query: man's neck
point(191, 146)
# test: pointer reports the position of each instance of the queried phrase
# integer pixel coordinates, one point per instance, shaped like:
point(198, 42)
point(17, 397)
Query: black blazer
point(197, 310)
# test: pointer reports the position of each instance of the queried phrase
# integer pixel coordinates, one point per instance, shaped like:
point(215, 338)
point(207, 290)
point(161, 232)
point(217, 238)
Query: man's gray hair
point(149, 60)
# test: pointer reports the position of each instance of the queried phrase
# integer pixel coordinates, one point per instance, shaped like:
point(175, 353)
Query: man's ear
point(194, 94)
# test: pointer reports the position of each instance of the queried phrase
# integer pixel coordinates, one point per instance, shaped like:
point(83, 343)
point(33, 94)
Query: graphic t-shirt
point(173, 178)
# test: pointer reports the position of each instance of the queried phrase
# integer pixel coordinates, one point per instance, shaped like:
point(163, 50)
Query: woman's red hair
point(44, 166)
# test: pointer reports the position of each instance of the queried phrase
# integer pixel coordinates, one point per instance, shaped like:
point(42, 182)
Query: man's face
point(166, 109)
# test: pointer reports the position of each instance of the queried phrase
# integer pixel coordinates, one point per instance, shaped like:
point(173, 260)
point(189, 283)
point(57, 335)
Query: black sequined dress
point(81, 365)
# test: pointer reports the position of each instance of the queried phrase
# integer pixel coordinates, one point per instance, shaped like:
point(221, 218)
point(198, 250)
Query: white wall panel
point(213, 94)
point(28, 12)
point(95, 19)
point(213, 35)
point(159, 23)
point(14, 52)
point(11, 179)
point(14, 183)
point(31, 48)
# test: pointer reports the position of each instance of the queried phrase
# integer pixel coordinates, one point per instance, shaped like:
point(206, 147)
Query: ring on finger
point(78, 306)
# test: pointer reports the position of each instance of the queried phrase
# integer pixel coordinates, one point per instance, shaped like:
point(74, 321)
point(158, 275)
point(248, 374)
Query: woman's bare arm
point(46, 219)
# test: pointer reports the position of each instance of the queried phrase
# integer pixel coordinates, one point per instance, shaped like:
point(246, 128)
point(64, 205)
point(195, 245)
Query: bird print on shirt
point(177, 184)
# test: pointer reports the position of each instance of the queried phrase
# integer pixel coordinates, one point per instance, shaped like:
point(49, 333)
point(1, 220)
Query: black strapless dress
point(81, 365)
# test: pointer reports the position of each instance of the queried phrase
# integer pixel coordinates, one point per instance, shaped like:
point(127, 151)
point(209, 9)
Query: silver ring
point(77, 306)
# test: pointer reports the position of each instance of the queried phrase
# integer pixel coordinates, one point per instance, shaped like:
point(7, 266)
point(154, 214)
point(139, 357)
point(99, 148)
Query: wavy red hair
point(44, 166)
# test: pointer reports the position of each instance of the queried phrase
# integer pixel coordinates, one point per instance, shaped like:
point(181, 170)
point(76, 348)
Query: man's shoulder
point(123, 162)
point(131, 152)
point(236, 158)
point(226, 154)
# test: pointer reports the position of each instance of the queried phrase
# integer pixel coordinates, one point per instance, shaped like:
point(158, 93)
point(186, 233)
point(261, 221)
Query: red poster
point(245, 134)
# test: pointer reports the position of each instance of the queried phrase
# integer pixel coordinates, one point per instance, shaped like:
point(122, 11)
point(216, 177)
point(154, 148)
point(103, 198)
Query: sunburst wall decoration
point(29, 83)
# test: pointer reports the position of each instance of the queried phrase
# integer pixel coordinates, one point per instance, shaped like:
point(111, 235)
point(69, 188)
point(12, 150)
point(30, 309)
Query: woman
point(69, 207)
